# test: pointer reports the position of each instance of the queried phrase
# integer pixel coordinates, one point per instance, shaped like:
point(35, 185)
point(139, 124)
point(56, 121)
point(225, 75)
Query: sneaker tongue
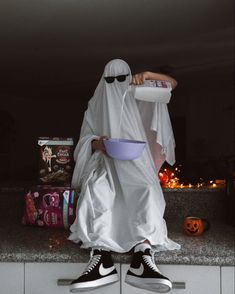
point(147, 252)
point(96, 252)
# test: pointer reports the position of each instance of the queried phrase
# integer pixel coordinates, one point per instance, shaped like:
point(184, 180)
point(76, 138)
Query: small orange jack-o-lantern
point(193, 226)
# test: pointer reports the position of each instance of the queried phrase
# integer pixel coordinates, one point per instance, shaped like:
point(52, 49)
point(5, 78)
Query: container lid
point(55, 141)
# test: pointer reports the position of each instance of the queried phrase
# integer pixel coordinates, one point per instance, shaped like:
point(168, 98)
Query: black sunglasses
point(120, 78)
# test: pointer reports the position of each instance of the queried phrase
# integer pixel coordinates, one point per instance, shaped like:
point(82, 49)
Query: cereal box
point(55, 160)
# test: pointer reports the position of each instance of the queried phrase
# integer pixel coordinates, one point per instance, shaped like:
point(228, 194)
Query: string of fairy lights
point(171, 178)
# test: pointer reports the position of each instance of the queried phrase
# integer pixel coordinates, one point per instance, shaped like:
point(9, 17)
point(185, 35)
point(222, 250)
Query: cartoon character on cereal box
point(47, 156)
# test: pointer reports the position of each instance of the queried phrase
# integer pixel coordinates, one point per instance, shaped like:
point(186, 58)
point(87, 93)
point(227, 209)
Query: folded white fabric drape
point(121, 202)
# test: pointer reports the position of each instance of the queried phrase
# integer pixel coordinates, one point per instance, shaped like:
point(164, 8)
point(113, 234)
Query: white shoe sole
point(86, 286)
point(151, 284)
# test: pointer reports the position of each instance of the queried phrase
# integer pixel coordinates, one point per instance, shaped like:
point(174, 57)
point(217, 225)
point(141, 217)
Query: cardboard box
point(55, 160)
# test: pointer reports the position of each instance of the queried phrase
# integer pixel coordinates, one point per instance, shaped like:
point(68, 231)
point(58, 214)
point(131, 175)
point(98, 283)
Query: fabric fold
point(121, 202)
point(82, 154)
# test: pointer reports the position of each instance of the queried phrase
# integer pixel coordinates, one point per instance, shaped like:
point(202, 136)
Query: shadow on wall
point(179, 129)
point(7, 139)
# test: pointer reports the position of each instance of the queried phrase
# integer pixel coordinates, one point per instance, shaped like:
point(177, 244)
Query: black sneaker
point(100, 271)
point(143, 273)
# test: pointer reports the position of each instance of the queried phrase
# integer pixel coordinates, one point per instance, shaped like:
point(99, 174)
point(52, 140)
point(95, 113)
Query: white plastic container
point(153, 91)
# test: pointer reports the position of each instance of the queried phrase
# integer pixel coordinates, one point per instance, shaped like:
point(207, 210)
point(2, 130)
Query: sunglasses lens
point(121, 78)
point(109, 80)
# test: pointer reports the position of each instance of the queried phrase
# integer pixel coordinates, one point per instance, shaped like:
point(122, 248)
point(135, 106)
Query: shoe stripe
point(105, 271)
point(137, 271)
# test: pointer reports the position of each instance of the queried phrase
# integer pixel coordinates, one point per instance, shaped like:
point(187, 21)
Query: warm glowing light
point(172, 179)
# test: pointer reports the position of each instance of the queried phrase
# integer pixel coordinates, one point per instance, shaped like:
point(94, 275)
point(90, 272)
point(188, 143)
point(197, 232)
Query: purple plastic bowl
point(124, 149)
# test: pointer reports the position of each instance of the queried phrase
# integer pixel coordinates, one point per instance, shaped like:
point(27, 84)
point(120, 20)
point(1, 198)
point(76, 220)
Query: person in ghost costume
point(121, 204)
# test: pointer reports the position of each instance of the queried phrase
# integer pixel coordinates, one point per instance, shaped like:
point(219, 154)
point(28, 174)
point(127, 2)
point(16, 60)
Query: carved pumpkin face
point(193, 226)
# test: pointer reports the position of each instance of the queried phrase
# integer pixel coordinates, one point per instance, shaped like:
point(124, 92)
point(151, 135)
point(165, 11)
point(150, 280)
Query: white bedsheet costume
point(121, 202)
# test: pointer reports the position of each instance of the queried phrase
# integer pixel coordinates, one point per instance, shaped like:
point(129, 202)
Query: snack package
point(48, 206)
point(55, 160)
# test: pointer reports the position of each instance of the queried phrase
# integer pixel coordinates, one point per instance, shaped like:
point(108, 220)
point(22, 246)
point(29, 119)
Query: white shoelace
point(149, 260)
point(94, 259)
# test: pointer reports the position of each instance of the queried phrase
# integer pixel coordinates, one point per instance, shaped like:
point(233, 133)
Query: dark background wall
point(53, 53)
